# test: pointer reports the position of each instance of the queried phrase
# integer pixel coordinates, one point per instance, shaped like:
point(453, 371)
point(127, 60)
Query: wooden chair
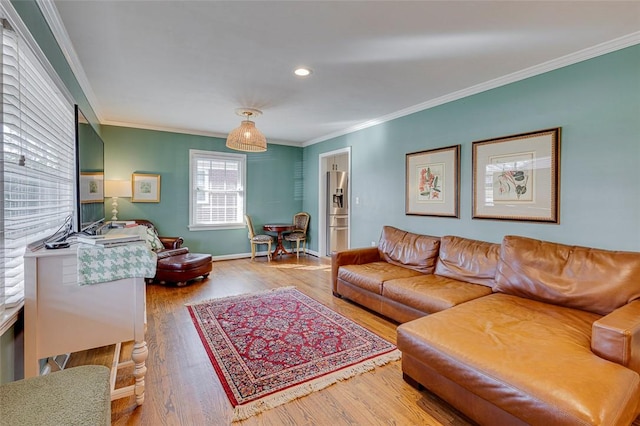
point(299, 233)
point(257, 239)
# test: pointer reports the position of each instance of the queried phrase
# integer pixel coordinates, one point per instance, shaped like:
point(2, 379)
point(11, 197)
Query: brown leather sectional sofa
point(523, 332)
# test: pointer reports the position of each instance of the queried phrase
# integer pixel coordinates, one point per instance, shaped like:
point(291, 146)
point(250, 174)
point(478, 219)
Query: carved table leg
point(280, 249)
point(139, 357)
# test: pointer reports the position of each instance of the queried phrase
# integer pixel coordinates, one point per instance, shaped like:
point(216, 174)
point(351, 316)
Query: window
point(37, 159)
point(217, 198)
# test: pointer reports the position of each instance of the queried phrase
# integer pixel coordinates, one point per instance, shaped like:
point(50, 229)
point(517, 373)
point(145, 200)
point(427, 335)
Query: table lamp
point(115, 189)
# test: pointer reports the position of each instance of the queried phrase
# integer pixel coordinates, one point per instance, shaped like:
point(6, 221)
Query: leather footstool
point(183, 267)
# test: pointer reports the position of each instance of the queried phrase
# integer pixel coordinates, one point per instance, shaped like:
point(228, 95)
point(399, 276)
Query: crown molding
point(52, 17)
point(54, 21)
point(189, 132)
point(554, 64)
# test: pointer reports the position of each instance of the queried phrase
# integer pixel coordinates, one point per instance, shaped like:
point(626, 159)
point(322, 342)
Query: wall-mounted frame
point(91, 187)
point(145, 188)
point(433, 182)
point(517, 177)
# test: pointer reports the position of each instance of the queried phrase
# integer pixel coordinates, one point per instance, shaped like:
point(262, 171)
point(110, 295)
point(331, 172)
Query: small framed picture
point(91, 187)
point(517, 177)
point(145, 188)
point(432, 182)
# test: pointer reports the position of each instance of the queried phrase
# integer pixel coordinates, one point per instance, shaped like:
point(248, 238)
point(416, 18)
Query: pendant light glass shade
point(247, 137)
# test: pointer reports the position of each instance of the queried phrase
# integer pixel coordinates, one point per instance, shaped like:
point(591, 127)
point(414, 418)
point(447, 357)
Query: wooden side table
point(279, 228)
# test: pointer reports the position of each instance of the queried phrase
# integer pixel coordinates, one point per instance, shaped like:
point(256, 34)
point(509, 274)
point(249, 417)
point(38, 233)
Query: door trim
point(322, 197)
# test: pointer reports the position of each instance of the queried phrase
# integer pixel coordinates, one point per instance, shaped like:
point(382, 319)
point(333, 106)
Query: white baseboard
point(258, 254)
point(236, 256)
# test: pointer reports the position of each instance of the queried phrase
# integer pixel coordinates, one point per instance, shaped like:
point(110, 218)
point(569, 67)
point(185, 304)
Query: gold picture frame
point(518, 177)
point(91, 187)
point(145, 188)
point(433, 182)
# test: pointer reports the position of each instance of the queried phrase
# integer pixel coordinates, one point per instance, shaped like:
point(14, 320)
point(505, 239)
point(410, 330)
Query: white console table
point(62, 316)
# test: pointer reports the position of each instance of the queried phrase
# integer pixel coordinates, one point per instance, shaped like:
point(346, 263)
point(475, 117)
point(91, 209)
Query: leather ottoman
point(183, 267)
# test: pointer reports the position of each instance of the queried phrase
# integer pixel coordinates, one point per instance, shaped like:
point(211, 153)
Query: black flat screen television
point(89, 176)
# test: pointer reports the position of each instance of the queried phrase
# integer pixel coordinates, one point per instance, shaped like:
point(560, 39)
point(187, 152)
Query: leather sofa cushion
point(370, 276)
point(402, 248)
point(530, 359)
point(468, 260)
point(594, 280)
point(184, 261)
point(432, 293)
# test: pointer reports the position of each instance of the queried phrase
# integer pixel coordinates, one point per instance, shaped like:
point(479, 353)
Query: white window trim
point(195, 153)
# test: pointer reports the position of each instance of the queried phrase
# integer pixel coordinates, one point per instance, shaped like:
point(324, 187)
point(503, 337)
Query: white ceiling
point(187, 65)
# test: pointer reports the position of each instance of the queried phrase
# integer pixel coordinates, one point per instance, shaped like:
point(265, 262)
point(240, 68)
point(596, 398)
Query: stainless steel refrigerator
point(337, 211)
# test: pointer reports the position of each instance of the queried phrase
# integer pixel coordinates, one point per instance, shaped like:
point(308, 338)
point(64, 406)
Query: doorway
point(338, 160)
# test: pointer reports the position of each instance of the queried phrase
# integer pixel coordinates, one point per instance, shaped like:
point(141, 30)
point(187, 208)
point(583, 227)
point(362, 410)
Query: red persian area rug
point(272, 347)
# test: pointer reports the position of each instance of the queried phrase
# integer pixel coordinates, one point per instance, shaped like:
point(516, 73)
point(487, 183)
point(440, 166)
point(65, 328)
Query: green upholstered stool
point(75, 396)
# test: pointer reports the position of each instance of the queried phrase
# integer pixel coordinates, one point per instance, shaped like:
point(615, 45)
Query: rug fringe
point(242, 412)
point(257, 293)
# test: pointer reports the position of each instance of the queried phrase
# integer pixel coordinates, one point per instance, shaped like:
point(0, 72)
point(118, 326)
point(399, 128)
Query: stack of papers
point(108, 240)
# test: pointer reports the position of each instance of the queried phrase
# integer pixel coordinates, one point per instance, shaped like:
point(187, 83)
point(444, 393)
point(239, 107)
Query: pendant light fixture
point(247, 137)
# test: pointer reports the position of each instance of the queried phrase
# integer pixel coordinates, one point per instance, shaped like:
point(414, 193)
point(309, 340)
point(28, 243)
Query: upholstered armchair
point(175, 263)
point(73, 396)
point(168, 243)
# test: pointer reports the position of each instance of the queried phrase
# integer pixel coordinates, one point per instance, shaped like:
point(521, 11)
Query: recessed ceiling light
point(302, 72)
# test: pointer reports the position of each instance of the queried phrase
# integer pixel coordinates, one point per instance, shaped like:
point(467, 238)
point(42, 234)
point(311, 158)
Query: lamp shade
point(247, 137)
point(117, 188)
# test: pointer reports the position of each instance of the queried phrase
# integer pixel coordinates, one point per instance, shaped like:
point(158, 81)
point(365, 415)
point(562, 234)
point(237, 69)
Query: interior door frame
point(322, 194)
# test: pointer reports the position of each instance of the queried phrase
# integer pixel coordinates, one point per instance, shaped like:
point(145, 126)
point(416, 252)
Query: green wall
point(597, 104)
point(274, 184)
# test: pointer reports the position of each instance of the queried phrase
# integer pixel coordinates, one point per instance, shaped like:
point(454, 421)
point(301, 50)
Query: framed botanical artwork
point(145, 188)
point(517, 177)
point(91, 187)
point(433, 182)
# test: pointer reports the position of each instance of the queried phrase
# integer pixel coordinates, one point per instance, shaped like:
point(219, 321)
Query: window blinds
point(217, 188)
point(37, 160)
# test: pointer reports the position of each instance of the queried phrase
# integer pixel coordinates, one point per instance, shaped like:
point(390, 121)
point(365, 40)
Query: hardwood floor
point(183, 389)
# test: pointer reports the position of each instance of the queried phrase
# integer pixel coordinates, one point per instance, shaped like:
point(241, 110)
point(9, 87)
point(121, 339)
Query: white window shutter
point(37, 163)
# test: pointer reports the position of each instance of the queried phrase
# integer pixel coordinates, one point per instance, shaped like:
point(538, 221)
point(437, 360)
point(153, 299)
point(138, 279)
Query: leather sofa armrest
point(163, 254)
point(171, 242)
point(616, 336)
point(356, 256)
